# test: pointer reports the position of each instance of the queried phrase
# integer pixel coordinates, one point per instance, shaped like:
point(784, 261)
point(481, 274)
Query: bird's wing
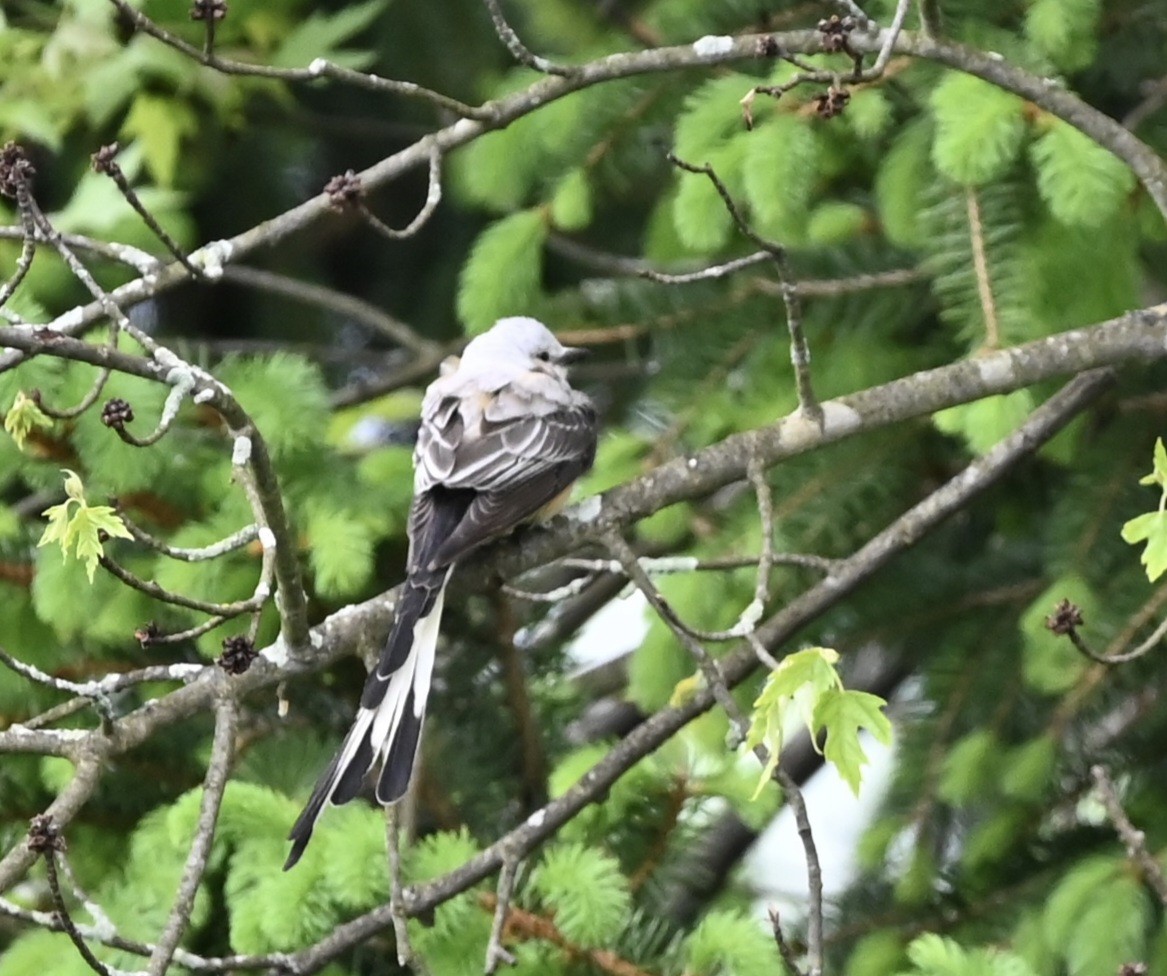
point(520, 450)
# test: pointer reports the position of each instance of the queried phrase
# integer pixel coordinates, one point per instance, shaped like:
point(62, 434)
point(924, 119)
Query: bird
point(503, 439)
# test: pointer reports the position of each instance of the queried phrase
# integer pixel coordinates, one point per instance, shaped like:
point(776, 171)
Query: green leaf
point(702, 221)
point(793, 689)
point(321, 36)
point(587, 892)
point(504, 272)
point(571, 206)
point(979, 129)
point(904, 171)
point(23, 417)
point(1081, 182)
point(160, 124)
point(844, 714)
point(80, 529)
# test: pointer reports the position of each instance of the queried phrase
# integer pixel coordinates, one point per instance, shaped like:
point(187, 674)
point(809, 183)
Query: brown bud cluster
point(831, 102)
point(836, 33)
point(1066, 617)
point(344, 191)
point(15, 170)
point(212, 10)
point(147, 634)
point(116, 413)
point(238, 654)
point(103, 159)
point(44, 835)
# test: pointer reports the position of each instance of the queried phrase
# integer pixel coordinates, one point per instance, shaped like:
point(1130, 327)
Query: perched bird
point(503, 438)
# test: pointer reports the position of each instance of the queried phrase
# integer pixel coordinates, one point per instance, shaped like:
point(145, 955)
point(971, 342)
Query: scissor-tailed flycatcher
point(503, 439)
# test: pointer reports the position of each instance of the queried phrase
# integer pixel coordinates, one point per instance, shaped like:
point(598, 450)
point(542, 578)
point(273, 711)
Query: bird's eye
point(545, 356)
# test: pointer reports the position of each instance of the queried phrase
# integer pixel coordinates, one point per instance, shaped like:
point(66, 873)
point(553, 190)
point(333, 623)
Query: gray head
point(520, 342)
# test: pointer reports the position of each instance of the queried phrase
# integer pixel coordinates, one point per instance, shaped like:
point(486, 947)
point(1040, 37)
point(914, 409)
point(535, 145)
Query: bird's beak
point(573, 354)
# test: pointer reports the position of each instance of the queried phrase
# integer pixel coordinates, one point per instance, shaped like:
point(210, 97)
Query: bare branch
point(518, 49)
point(1133, 838)
point(495, 951)
point(222, 747)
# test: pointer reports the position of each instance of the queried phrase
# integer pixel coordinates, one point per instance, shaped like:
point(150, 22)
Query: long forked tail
point(388, 724)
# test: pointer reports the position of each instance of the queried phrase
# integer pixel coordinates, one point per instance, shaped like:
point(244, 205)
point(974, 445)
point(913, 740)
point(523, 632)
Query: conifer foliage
point(875, 297)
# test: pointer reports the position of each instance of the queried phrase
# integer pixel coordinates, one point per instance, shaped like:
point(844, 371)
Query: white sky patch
point(776, 866)
point(710, 45)
point(241, 450)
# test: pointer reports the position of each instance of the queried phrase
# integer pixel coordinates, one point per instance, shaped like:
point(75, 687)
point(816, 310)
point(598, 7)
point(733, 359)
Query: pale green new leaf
point(80, 529)
point(23, 417)
point(794, 688)
point(844, 714)
point(1151, 527)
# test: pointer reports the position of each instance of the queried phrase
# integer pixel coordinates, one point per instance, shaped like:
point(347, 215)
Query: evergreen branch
point(976, 232)
point(528, 925)
point(222, 748)
point(1133, 838)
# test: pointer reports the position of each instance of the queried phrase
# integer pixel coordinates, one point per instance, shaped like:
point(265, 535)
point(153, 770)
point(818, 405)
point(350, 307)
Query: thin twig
point(785, 950)
point(222, 748)
point(362, 312)
point(976, 232)
point(495, 951)
point(799, 350)
point(519, 51)
point(320, 68)
point(237, 540)
point(24, 262)
point(433, 197)
point(405, 953)
point(814, 872)
point(1133, 838)
point(709, 668)
point(104, 162)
